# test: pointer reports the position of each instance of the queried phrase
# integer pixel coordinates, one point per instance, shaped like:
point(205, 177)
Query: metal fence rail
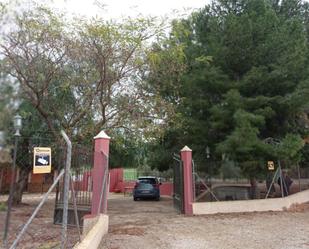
point(225, 180)
point(16, 241)
point(15, 180)
point(80, 189)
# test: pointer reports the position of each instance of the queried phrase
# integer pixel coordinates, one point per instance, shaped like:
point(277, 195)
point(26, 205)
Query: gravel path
point(150, 225)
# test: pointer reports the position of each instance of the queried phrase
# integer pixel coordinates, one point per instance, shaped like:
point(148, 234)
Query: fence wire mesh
point(228, 180)
point(29, 188)
point(81, 165)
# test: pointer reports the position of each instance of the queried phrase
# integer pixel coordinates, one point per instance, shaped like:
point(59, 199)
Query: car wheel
point(158, 198)
point(135, 199)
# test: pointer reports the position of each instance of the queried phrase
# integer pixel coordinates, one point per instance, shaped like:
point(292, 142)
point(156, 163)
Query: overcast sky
point(120, 8)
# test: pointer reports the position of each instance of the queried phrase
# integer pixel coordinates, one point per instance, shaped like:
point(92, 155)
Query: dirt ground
point(151, 225)
point(42, 233)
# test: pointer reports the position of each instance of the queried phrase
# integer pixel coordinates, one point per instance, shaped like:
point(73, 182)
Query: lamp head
point(17, 124)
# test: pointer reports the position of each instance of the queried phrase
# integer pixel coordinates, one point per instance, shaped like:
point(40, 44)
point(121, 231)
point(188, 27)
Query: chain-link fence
point(29, 189)
point(80, 189)
point(229, 180)
point(25, 180)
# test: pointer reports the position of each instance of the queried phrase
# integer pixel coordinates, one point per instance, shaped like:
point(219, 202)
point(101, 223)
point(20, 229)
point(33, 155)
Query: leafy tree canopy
point(243, 78)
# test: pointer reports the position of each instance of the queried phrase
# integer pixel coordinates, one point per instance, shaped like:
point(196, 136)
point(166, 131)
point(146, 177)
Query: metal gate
point(80, 187)
point(178, 183)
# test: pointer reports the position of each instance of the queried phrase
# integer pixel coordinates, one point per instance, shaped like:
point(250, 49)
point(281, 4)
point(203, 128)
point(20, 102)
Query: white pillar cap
point(102, 134)
point(186, 148)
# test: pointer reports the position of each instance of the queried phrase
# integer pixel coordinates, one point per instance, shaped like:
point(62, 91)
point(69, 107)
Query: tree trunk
point(20, 186)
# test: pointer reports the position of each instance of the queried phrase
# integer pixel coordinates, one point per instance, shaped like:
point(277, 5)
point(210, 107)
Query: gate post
point(100, 165)
point(186, 157)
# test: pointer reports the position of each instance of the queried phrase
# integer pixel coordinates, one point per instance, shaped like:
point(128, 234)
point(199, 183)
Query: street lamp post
point(17, 126)
point(2, 140)
point(2, 146)
point(207, 152)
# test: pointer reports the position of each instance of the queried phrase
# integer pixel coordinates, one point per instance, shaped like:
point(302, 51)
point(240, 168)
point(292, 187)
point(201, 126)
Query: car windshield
point(145, 186)
point(147, 180)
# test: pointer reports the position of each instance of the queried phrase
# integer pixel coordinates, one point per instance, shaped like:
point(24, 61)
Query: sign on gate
point(41, 160)
point(271, 165)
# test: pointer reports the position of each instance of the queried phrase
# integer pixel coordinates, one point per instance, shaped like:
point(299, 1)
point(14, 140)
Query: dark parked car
point(147, 187)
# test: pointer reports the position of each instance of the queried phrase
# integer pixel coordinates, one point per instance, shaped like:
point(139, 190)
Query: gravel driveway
point(151, 224)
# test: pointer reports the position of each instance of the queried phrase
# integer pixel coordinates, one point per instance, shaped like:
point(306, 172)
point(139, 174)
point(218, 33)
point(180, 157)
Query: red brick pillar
point(100, 165)
point(186, 157)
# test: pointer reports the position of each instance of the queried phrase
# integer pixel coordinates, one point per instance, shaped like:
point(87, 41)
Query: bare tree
point(82, 75)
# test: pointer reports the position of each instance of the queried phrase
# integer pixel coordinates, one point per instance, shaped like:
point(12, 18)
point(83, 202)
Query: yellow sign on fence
point(271, 165)
point(41, 160)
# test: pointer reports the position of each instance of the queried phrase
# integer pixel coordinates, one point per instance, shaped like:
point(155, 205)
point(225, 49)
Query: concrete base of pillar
point(95, 227)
